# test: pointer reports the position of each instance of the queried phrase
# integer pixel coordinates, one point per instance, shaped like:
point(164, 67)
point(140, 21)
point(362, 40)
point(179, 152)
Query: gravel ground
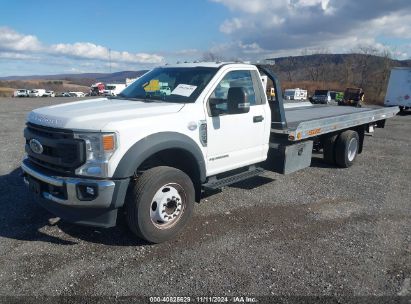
point(320, 231)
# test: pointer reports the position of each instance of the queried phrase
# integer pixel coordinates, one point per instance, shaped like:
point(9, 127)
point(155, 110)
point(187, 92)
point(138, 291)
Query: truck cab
point(151, 152)
point(113, 89)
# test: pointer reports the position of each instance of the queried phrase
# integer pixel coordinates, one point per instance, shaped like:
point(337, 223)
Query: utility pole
point(109, 58)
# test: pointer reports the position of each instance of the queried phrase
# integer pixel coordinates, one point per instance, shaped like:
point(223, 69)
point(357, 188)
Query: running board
point(214, 183)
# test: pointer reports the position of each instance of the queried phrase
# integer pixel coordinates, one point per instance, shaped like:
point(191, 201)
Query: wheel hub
point(166, 206)
point(352, 149)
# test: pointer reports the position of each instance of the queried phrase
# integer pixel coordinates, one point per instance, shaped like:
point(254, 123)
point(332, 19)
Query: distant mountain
point(103, 77)
point(332, 58)
point(120, 77)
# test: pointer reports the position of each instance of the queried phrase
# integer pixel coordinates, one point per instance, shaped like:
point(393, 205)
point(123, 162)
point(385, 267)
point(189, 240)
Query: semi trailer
point(399, 89)
point(150, 155)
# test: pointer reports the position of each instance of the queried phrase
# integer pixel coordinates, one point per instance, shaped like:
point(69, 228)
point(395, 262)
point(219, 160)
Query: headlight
point(99, 149)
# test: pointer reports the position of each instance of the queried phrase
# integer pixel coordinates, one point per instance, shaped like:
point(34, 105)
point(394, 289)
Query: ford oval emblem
point(36, 146)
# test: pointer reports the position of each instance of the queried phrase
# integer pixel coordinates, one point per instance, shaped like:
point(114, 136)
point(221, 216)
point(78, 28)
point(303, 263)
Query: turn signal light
point(108, 142)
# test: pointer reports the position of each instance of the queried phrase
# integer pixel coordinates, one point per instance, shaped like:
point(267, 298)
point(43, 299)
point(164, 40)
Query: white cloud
point(17, 46)
point(11, 40)
point(89, 50)
point(288, 26)
point(17, 56)
point(231, 26)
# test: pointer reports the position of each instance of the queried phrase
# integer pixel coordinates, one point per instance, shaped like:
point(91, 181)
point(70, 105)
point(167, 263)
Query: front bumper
point(60, 195)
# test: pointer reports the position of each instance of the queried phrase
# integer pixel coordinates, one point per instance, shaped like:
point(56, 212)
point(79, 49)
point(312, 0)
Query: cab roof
point(217, 64)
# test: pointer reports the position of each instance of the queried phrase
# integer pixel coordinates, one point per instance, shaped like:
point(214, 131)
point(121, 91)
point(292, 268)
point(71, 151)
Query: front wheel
point(159, 203)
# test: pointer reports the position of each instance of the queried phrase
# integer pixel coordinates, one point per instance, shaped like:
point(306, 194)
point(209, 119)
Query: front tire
point(159, 204)
point(346, 148)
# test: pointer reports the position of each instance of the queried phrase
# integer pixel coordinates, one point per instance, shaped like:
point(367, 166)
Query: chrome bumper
point(105, 188)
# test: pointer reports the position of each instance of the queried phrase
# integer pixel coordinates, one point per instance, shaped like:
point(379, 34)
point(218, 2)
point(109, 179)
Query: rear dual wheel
point(341, 149)
point(329, 148)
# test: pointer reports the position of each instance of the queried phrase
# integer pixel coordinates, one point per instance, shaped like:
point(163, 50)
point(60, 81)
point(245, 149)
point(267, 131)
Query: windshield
point(289, 93)
point(321, 92)
point(170, 84)
point(110, 87)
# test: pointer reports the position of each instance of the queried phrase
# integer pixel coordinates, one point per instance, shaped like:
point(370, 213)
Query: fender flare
point(154, 143)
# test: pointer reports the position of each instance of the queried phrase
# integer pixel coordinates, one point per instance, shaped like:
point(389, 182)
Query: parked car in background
point(21, 93)
point(49, 94)
point(399, 89)
point(77, 94)
point(336, 96)
point(63, 94)
point(321, 97)
point(295, 94)
point(37, 93)
point(113, 89)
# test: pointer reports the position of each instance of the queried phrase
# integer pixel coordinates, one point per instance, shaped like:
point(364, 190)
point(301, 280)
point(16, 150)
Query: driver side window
point(231, 80)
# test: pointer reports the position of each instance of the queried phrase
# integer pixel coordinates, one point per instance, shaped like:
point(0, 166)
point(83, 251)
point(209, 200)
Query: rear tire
point(159, 204)
point(329, 149)
point(346, 148)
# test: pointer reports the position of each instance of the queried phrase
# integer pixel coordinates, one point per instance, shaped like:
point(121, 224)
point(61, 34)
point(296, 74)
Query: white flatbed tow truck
point(151, 153)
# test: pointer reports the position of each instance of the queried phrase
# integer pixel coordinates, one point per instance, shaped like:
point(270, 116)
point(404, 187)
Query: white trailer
point(113, 89)
point(295, 94)
point(399, 89)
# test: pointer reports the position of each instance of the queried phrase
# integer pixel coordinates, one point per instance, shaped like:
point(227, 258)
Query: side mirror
point(213, 104)
point(237, 101)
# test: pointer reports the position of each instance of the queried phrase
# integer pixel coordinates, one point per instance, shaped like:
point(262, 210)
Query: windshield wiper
point(145, 99)
point(133, 98)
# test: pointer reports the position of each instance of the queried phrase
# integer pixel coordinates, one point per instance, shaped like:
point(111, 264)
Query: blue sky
point(151, 26)
point(48, 37)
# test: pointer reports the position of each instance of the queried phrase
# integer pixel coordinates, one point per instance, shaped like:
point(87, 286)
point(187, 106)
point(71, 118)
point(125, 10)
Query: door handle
point(258, 118)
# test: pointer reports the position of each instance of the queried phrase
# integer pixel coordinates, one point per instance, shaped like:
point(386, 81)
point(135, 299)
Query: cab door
point(236, 139)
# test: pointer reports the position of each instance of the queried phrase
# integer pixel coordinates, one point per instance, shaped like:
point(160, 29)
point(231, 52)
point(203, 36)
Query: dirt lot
point(320, 231)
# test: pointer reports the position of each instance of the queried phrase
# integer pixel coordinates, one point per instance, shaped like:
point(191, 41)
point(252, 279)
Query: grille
point(61, 151)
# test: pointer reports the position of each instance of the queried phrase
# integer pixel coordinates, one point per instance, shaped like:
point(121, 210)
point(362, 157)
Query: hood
point(94, 114)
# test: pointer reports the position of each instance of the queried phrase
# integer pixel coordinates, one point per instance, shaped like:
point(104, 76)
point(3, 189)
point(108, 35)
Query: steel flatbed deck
point(313, 120)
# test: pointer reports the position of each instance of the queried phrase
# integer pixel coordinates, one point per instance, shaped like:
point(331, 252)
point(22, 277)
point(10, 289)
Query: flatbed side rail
point(312, 128)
